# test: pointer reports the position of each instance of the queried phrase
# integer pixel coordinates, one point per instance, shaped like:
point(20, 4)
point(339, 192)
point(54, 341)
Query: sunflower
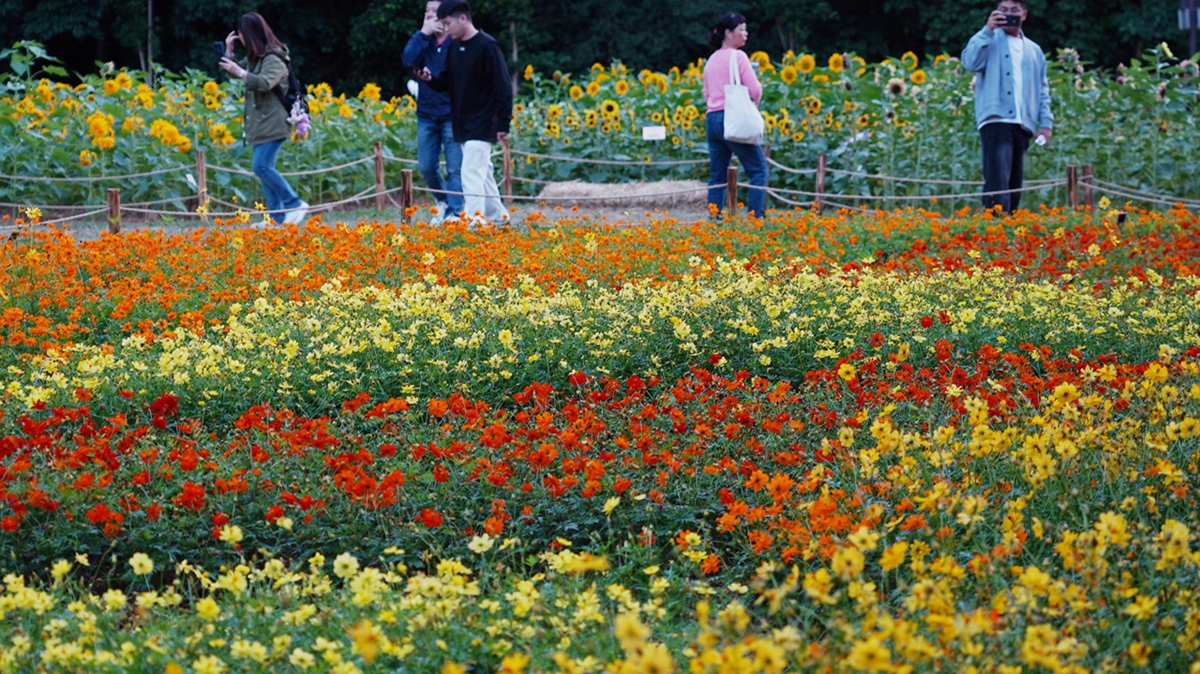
point(864, 119)
point(593, 88)
point(111, 87)
point(896, 87)
point(553, 112)
point(821, 79)
point(909, 61)
point(806, 63)
point(528, 72)
point(789, 74)
point(610, 108)
point(589, 119)
point(836, 62)
point(918, 77)
point(211, 87)
point(763, 60)
point(941, 59)
point(575, 92)
point(622, 87)
point(797, 137)
point(656, 117)
point(812, 105)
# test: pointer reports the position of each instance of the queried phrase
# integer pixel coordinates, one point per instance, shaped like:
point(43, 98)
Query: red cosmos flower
point(10, 523)
point(166, 405)
point(438, 407)
point(440, 473)
point(715, 358)
point(100, 514)
point(191, 498)
point(578, 378)
point(430, 518)
point(877, 340)
point(274, 513)
point(356, 402)
point(927, 322)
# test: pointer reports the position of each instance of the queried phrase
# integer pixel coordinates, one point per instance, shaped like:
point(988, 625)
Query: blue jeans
point(281, 198)
point(1004, 148)
point(720, 151)
point(433, 137)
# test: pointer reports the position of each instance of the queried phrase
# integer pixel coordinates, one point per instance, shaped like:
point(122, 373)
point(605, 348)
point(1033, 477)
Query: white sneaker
point(297, 216)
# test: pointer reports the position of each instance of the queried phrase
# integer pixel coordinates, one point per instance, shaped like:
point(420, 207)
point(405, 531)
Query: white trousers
point(481, 197)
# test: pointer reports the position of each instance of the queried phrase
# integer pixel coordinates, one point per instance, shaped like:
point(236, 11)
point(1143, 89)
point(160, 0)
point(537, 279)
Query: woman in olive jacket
point(265, 121)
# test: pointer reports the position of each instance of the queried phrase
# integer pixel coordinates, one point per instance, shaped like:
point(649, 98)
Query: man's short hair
point(454, 8)
point(1023, 3)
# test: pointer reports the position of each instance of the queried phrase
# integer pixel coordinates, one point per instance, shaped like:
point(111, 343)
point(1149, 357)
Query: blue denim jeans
point(433, 137)
point(721, 151)
point(1004, 148)
point(281, 198)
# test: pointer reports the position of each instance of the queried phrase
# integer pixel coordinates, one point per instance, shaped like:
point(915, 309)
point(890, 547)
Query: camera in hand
point(1012, 20)
point(219, 49)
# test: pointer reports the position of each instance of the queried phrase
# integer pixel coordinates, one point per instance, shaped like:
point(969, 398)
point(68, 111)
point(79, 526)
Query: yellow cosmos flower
point(141, 563)
point(847, 372)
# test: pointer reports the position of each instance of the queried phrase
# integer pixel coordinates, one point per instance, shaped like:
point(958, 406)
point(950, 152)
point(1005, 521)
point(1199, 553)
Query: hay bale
point(659, 194)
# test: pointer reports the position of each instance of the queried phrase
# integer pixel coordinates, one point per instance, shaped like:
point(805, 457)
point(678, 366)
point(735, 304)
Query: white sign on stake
point(654, 133)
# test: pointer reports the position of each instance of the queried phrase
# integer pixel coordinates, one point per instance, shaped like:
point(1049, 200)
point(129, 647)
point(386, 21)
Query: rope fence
point(1081, 186)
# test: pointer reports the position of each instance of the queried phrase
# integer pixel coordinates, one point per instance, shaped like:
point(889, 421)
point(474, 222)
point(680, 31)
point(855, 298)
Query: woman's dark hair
point(257, 38)
point(728, 21)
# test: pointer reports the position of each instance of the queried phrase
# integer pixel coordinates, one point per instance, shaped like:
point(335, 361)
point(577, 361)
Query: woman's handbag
point(743, 123)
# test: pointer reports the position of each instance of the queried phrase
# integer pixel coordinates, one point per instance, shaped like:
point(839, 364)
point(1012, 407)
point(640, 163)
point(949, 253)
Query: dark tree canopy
point(350, 42)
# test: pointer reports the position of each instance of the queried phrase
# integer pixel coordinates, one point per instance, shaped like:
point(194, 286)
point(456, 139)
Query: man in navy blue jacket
point(435, 133)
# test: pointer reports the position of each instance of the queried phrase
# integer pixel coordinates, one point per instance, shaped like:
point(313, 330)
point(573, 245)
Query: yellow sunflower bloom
point(909, 61)
point(593, 88)
point(575, 92)
point(622, 87)
point(836, 63)
point(806, 63)
point(788, 75)
point(918, 77)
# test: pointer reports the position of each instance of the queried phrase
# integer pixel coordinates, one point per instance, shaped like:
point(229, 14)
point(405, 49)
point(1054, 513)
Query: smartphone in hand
point(1012, 20)
point(219, 49)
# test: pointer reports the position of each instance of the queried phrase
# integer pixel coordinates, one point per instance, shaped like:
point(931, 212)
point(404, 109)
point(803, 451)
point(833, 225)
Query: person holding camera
point(728, 38)
point(481, 102)
point(435, 132)
point(265, 122)
point(1012, 100)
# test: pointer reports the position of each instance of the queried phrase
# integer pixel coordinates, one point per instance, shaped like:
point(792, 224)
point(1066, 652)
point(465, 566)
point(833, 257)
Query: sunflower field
point(908, 442)
point(906, 117)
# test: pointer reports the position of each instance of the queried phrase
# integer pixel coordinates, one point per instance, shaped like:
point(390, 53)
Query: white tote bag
point(743, 123)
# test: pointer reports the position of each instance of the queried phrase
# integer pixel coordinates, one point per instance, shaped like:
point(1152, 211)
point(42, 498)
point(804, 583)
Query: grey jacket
point(264, 119)
point(987, 54)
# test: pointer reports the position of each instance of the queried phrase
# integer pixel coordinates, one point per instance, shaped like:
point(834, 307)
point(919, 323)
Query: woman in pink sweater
point(727, 39)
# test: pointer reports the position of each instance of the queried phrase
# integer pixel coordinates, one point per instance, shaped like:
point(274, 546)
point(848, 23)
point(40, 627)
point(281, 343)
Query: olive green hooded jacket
point(264, 119)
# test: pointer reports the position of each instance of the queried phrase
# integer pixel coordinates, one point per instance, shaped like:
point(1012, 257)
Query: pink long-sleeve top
point(716, 76)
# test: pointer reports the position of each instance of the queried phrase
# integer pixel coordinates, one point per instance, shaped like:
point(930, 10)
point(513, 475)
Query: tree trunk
point(516, 74)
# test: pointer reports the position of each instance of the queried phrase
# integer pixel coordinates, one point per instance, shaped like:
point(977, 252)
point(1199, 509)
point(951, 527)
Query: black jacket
point(481, 96)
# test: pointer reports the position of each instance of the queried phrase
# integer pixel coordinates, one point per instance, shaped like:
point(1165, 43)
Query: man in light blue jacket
point(1012, 100)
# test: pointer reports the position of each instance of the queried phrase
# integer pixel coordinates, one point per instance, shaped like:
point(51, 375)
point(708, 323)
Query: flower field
point(898, 443)
point(906, 118)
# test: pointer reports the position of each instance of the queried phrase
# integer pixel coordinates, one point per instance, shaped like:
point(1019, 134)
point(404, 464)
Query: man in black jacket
point(481, 100)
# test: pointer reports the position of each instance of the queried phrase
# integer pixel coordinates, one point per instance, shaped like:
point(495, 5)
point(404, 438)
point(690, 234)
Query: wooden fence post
point(201, 177)
point(506, 149)
point(1072, 187)
point(406, 194)
point(820, 184)
point(731, 190)
point(114, 210)
point(380, 197)
point(1085, 179)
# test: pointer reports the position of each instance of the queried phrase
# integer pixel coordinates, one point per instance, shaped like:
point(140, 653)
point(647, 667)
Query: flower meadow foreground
point(897, 443)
